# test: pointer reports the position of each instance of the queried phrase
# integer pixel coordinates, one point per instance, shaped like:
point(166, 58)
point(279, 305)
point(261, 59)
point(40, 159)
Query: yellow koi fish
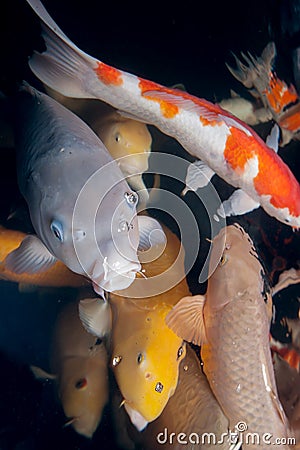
point(191, 419)
point(144, 353)
point(79, 365)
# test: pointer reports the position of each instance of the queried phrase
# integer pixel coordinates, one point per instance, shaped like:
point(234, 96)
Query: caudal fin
point(63, 66)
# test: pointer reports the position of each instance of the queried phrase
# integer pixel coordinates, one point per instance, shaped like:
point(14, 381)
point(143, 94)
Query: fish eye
point(81, 384)
point(57, 230)
point(180, 352)
point(131, 198)
point(287, 220)
point(117, 137)
point(223, 260)
point(140, 358)
point(124, 226)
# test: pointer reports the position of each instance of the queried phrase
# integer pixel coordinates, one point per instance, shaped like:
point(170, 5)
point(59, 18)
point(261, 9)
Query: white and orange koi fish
point(225, 145)
point(281, 100)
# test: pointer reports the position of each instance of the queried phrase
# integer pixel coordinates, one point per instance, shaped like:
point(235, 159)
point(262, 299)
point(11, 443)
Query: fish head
point(94, 233)
point(238, 268)
point(129, 142)
point(118, 263)
point(150, 355)
point(83, 391)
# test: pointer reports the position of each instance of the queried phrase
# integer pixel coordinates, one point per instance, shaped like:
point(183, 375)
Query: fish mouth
point(114, 278)
point(136, 418)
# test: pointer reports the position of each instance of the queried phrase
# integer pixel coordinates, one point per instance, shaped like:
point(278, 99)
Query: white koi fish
point(226, 146)
point(81, 207)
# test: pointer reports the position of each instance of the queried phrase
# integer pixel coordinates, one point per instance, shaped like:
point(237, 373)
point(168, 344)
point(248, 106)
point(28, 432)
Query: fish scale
point(241, 365)
point(232, 323)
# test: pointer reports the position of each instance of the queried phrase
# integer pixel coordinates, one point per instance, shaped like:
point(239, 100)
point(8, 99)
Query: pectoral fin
point(273, 138)
point(41, 374)
point(32, 256)
point(237, 204)
point(186, 319)
point(198, 175)
point(95, 315)
point(151, 233)
point(137, 184)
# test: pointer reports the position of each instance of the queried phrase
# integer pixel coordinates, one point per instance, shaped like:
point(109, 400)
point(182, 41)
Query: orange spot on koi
point(168, 109)
point(239, 149)
point(274, 178)
point(290, 122)
point(108, 74)
point(279, 95)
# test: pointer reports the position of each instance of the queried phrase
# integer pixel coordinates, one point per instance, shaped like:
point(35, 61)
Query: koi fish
point(144, 353)
point(58, 275)
point(81, 217)
point(127, 140)
point(226, 146)
point(192, 417)
point(277, 97)
point(245, 109)
point(231, 323)
point(79, 368)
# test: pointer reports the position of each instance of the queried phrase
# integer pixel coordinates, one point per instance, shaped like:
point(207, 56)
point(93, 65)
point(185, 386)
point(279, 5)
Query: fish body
point(232, 324)
point(227, 146)
point(79, 361)
point(144, 353)
point(191, 419)
point(81, 208)
point(150, 353)
point(127, 140)
point(245, 110)
point(281, 100)
point(58, 275)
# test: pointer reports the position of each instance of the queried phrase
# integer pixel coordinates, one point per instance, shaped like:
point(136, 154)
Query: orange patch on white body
point(109, 75)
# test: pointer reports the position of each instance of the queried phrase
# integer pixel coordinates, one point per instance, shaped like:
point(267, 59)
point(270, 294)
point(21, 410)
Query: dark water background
point(165, 42)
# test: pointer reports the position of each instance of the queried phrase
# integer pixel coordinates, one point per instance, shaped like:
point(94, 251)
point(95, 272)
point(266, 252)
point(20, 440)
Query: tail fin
point(63, 66)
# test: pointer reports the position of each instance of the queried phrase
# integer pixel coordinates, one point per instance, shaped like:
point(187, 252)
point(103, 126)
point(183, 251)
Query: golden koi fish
point(144, 353)
point(79, 368)
point(191, 419)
